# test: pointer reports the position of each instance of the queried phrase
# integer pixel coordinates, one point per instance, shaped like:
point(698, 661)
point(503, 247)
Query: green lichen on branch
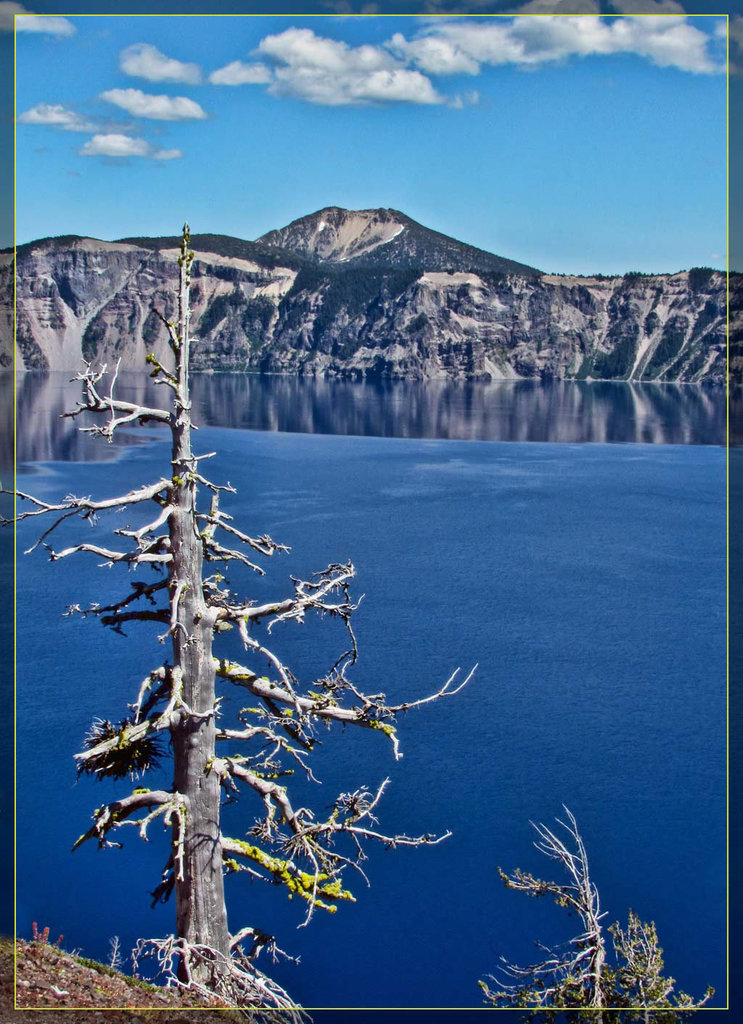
point(316, 888)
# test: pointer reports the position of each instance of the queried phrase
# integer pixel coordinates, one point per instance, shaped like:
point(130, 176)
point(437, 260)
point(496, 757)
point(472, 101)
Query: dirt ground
point(74, 989)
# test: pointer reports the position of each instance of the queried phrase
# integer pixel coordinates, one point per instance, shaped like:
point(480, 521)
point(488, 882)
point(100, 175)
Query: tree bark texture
point(201, 916)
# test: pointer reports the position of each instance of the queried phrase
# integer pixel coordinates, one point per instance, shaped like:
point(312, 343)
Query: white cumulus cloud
point(465, 46)
point(142, 60)
point(57, 116)
point(300, 47)
point(435, 54)
point(299, 63)
point(332, 73)
point(115, 145)
point(27, 21)
point(237, 73)
point(156, 108)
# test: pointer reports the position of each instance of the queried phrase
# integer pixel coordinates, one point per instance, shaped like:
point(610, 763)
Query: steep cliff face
point(480, 326)
point(83, 298)
point(321, 308)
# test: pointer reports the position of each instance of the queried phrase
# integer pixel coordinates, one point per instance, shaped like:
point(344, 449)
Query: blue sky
point(572, 144)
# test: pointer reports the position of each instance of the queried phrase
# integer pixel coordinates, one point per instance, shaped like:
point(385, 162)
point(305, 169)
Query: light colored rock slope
point(337, 235)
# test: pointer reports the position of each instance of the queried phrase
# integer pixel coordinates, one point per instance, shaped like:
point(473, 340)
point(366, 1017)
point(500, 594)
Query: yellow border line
point(181, 1009)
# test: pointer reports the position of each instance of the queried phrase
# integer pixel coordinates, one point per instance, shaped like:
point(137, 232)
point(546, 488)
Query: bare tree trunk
point(201, 916)
point(203, 953)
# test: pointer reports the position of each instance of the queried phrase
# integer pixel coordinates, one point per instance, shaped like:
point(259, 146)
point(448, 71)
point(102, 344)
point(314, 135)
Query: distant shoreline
point(343, 379)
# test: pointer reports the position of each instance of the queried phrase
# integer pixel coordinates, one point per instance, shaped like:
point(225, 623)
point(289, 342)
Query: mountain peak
point(383, 237)
point(336, 235)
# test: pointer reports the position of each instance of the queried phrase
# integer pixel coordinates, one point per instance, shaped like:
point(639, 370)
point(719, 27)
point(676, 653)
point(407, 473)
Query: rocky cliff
point(362, 294)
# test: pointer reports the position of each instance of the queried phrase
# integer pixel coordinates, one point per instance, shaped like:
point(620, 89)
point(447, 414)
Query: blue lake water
point(588, 582)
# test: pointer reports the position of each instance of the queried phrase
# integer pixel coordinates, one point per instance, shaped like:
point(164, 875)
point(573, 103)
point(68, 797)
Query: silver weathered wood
point(177, 700)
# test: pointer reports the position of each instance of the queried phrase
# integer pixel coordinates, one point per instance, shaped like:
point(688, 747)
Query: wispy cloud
point(464, 46)
point(156, 108)
point(332, 73)
point(238, 73)
point(142, 60)
point(56, 116)
point(120, 146)
point(27, 21)
point(466, 99)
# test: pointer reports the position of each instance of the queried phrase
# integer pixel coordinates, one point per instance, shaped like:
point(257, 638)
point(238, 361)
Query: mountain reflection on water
point(523, 410)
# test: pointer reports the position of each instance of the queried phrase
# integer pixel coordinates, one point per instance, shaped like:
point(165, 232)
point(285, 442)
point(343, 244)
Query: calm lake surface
point(586, 579)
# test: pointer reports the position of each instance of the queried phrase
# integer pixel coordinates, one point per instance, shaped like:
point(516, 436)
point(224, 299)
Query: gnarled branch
point(372, 714)
point(130, 412)
point(117, 814)
point(227, 980)
point(85, 506)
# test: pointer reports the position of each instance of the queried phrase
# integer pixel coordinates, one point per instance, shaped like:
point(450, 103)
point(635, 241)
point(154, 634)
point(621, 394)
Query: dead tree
point(622, 984)
point(178, 551)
